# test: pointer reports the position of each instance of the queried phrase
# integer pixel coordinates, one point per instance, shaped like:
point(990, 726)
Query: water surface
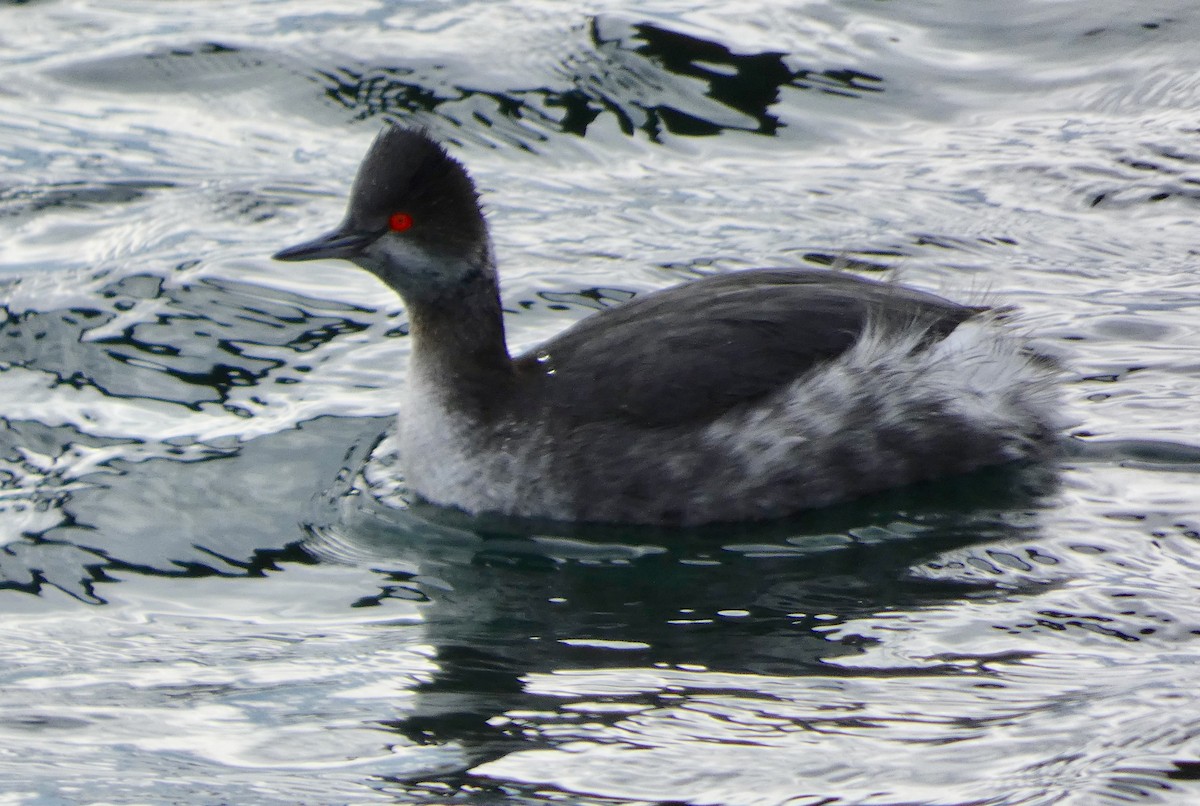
point(209, 596)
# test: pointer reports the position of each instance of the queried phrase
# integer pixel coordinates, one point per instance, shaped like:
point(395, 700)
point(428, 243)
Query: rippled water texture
point(209, 595)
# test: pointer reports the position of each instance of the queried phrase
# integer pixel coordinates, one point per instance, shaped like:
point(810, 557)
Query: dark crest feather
point(405, 170)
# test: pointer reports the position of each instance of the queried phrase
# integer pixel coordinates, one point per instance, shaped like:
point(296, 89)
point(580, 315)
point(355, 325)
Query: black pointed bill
point(338, 243)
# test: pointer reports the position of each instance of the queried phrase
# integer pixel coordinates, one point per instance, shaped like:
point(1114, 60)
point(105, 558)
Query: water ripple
point(217, 588)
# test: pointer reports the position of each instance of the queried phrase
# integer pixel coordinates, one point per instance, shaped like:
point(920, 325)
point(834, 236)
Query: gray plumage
point(739, 396)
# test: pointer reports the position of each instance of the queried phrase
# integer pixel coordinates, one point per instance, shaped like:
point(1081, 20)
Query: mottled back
point(699, 349)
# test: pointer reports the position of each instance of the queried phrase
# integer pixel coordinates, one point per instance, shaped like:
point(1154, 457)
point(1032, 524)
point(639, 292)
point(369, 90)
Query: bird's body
point(739, 396)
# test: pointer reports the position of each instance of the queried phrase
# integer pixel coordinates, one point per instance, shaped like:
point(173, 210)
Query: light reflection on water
point(208, 598)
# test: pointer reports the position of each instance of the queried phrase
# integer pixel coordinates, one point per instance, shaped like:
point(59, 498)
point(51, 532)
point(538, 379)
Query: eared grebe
point(745, 395)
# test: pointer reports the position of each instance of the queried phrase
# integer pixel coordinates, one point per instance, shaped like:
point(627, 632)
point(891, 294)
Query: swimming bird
point(744, 395)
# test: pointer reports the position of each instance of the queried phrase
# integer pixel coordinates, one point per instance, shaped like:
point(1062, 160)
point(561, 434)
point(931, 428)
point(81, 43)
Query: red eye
point(399, 222)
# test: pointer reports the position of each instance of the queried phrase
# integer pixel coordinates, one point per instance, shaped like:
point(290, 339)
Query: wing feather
point(696, 350)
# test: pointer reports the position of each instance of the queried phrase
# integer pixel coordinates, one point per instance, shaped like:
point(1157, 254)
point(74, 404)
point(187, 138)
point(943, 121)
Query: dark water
point(208, 598)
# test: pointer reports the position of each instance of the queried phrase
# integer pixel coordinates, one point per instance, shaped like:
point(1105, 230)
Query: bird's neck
point(458, 347)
